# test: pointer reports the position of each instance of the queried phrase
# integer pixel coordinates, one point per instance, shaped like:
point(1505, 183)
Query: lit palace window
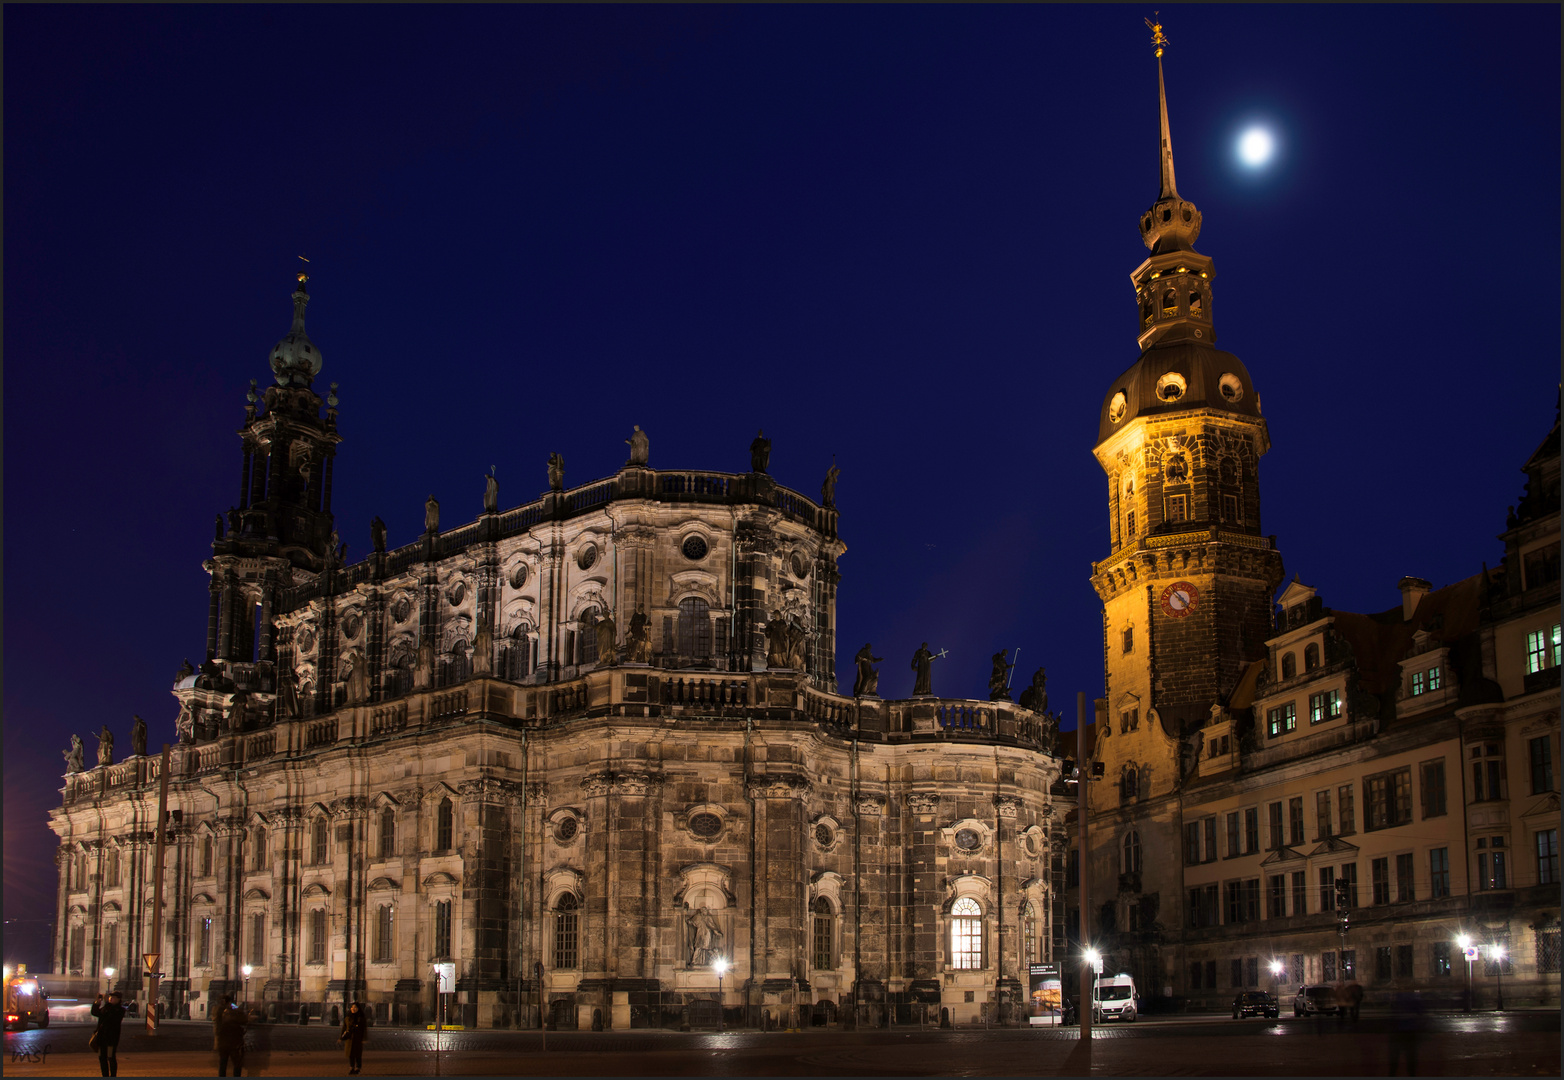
point(966, 934)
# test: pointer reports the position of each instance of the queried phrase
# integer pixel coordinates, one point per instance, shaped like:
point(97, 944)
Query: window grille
point(966, 934)
point(567, 933)
point(318, 936)
point(442, 930)
point(442, 837)
point(383, 948)
point(823, 936)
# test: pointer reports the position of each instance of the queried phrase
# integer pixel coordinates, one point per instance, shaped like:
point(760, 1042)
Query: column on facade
point(922, 889)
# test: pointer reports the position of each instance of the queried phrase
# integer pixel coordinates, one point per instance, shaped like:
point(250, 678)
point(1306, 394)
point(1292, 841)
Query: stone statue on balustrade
point(639, 649)
point(238, 714)
point(73, 756)
point(377, 535)
point(607, 640)
point(105, 746)
point(423, 673)
point(483, 646)
point(640, 447)
point(217, 527)
point(184, 724)
point(235, 525)
point(432, 515)
point(138, 737)
point(556, 471)
point(867, 684)
point(1035, 696)
point(828, 489)
point(760, 452)
point(999, 678)
point(491, 492)
point(185, 671)
point(923, 664)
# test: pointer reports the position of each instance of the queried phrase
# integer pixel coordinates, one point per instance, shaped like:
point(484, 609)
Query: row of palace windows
point(1311, 660)
point(1543, 647)
point(1169, 308)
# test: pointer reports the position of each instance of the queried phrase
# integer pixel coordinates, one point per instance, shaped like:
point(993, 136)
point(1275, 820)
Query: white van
point(1116, 998)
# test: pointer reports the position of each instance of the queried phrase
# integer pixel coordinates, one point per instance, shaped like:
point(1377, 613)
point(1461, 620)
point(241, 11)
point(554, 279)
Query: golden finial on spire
point(303, 276)
point(1158, 38)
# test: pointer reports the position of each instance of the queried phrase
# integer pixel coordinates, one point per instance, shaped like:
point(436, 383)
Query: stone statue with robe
point(358, 678)
point(705, 938)
point(491, 492)
point(1035, 696)
point(556, 471)
point(640, 447)
point(105, 746)
point(607, 640)
point(776, 642)
point(639, 649)
point(922, 664)
point(186, 670)
point(288, 694)
point(828, 489)
point(73, 756)
point(138, 737)
point(759, 452)
point(999, 678)
point(432, 515)
point(867, 684)
point(377, 535)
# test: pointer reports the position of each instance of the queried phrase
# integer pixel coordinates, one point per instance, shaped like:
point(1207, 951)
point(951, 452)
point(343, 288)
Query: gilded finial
point(1158, 38)
point(304, 276)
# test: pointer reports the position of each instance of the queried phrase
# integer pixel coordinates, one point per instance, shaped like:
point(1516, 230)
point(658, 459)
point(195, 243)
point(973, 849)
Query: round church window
point(565, 830)
point(694, 547)
point(824, 835)
point(457, 594)
point(968, 839)
point(518, 576)
point(588, 557)
point(706, 825)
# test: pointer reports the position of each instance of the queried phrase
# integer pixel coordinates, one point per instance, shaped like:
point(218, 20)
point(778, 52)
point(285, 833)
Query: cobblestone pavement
point(1514, 1044)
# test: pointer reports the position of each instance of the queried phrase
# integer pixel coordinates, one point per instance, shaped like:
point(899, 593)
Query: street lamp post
point(108, 980)
point(1464, 941)
point(1276, 981)
point(247, 969)
point(1496, 954)
point(722, 969)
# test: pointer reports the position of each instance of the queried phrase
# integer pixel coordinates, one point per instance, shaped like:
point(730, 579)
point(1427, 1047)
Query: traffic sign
point(149, 960)
point(1470, 952)
point(446, 974)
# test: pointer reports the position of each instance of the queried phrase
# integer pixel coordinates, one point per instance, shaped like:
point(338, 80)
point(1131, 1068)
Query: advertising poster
point(1043, 995)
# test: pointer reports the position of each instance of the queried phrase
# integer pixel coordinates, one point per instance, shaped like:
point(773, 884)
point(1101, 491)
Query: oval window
point(1232, 388)
point(1117, 407)
point(694, 548)
point(1171, 387)
point(588, 557)
point(706, 826)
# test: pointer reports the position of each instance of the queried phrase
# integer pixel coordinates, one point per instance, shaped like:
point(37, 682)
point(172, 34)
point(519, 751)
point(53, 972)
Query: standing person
point(110, 1014)
point(228, 1036)
point(354, 1027)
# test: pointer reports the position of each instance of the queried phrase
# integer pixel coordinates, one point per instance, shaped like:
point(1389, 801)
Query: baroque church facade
point(1296, 795)
point(590, 750)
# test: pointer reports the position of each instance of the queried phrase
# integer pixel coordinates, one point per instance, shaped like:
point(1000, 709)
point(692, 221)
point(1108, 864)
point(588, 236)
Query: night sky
point(902, 236)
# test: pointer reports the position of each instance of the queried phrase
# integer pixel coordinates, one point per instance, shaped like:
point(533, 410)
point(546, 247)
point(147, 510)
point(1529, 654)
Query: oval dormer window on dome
point(1117, 407)
point(1232, 389)
point(1171, 387)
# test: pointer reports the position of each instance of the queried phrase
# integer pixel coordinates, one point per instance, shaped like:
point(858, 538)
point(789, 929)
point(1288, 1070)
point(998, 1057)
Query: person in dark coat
point(111, 1015)
point(355, 1025)
point(228, 1036)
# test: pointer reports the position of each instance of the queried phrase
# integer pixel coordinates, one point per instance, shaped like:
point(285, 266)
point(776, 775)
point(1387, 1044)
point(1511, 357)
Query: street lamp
point(1094, 959)
point(1276, 981)
point(722, 969)
point(1496, 954)
point(1464, 941)
point(247, 969)
point(108, 980)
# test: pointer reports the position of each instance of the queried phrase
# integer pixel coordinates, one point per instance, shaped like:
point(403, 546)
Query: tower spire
point(1169, 185)
point(1172, 224)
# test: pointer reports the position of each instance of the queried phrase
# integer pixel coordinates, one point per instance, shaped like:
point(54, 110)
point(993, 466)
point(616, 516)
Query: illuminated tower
point(1187, 585)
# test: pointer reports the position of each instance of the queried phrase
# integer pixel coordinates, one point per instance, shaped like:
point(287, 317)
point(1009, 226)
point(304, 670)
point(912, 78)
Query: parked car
point(1117, 999)
point(1255, 1003)
point(1316, 1001)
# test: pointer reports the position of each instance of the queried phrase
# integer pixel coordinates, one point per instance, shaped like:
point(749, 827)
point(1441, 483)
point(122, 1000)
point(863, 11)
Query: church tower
point(1187, 584)
point(281, 530)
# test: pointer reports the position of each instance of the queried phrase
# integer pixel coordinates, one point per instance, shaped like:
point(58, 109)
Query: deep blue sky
point(897, 235)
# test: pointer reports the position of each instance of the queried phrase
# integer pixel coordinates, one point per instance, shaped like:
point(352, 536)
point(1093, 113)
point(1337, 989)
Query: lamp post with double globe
point(722, 969)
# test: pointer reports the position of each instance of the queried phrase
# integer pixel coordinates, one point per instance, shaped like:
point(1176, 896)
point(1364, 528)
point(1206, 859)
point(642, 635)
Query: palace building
point(1295, 794)
point(589, 749)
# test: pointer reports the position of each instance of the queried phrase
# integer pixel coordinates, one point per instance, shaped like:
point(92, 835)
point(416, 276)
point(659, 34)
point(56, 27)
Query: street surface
point(1484, 1044)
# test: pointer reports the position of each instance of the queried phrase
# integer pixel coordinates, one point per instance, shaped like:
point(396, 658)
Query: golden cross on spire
point(1158, 38)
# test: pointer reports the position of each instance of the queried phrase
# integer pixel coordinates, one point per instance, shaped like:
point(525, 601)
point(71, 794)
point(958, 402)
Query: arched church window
point(1129, 783)
point(318, 842)
point(1132, 852)
point(586, 636)
point(823, 934)
point(1289, 665)
point(258, 843)
point(1029, 953)
point(387, 833)
point(443, 825)
point(1169, 303)
point(1311, 656)
point(694, 628)
point(966, 934)
point(518, 654)
point(567, 932)
point(1196, 307)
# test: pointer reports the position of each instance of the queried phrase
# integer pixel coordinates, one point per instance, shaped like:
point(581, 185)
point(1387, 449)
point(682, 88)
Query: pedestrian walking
point(228, 1036)
point(111, 1015)
point(355, 1025)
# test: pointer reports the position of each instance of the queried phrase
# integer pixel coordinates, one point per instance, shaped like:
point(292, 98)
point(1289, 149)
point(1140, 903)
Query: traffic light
point(1343, 894)
point(1098, 769)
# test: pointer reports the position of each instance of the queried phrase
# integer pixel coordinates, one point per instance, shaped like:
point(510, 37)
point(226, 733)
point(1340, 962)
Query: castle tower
point(1187, 584)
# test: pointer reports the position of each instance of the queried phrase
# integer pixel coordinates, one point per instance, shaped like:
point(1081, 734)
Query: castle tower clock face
point(1180, 599)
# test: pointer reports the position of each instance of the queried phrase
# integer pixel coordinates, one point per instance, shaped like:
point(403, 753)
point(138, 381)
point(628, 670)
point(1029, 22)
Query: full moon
point(1255, 146)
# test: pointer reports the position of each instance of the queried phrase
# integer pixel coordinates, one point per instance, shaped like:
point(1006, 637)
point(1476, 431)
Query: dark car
point(1255, 1003)
point(1316, 1001)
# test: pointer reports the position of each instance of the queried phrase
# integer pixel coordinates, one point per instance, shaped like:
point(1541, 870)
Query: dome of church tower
point(295, 359)
point(1178, 377)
